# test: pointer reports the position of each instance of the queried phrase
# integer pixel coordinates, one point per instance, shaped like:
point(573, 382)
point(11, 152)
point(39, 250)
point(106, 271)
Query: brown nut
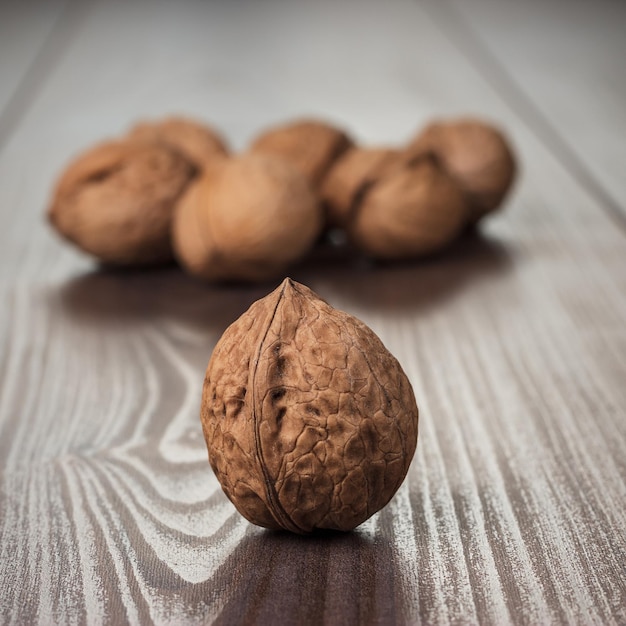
point(352, 170)
point(246, 219)
point(198, 143)
point(310, 422)
point(476, 155)
point(413, 210)
point(116, 201)
point(310, 146)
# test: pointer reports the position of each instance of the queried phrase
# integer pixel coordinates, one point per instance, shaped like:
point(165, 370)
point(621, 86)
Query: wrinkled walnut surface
point(116, 201)
point(246, 219)
point(198, 143)
point(310, 422)
point(476, 155)
point(310, 146)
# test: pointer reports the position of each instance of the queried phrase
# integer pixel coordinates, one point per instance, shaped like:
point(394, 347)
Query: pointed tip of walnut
point(290, 284)
point(290, 287)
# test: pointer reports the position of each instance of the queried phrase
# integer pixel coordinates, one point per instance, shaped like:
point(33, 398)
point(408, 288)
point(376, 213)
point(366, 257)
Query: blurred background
point(79, 71)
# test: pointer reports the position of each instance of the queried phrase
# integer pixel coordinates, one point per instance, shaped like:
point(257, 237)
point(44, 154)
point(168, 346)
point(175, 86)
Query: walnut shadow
point(280, 578)
point(406, 285)
point(125, 297)
point(136, 297)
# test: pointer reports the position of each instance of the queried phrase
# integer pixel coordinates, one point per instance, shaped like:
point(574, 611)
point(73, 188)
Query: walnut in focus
point(116, 200)
point(476, 155)
point(308, 145)
point(247, 218)
point(309, 421)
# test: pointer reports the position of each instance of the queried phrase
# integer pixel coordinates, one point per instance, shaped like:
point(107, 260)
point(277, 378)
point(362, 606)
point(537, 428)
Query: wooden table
point(514, 510)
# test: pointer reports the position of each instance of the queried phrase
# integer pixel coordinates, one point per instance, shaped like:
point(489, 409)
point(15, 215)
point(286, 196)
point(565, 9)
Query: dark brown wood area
point(514, 510)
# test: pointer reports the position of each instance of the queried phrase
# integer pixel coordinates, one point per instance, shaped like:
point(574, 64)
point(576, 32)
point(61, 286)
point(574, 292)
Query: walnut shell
point(246, 219)
point(310, 422)
point(310, 146)
point(198, 143)
point(348, 175)
point(476, 155)
point(116, 200)
point(412, 211)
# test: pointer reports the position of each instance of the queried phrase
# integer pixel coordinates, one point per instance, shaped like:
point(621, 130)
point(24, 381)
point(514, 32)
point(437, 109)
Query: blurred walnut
point(352, 171)
point(198, 143)
point(246, 219)
point(310, 146)
point(476, 155)
point(116, 200)
point(414, 210)
point(309, 421)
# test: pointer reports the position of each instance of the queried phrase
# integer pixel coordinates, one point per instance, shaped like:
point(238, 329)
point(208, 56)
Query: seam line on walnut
point(277, 510)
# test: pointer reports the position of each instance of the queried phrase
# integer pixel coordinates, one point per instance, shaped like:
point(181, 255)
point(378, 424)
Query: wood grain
point(560, 66)
point(32, 39)
point(513, 511)
point(24, 29)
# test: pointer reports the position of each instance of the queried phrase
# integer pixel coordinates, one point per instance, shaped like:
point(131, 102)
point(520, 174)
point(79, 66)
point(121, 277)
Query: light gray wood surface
point(24, 29)
point(561, 65)
point(514, 341)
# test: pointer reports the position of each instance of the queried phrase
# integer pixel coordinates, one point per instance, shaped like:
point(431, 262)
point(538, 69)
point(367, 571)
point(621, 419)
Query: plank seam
point(39, 69)
point(460, 33)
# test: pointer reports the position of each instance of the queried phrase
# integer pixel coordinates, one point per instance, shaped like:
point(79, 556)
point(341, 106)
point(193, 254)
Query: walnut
point(310, 146)
point(198, 143)
point(354, 169)
point(476, 155)
point(247, 218)
point(415, 209)
point(310, 422)
point(116, 201)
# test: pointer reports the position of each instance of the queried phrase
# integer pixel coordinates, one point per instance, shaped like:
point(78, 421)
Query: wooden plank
point(561, 66)
point(24, 28)
point(27, 36)
point(514, 342)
